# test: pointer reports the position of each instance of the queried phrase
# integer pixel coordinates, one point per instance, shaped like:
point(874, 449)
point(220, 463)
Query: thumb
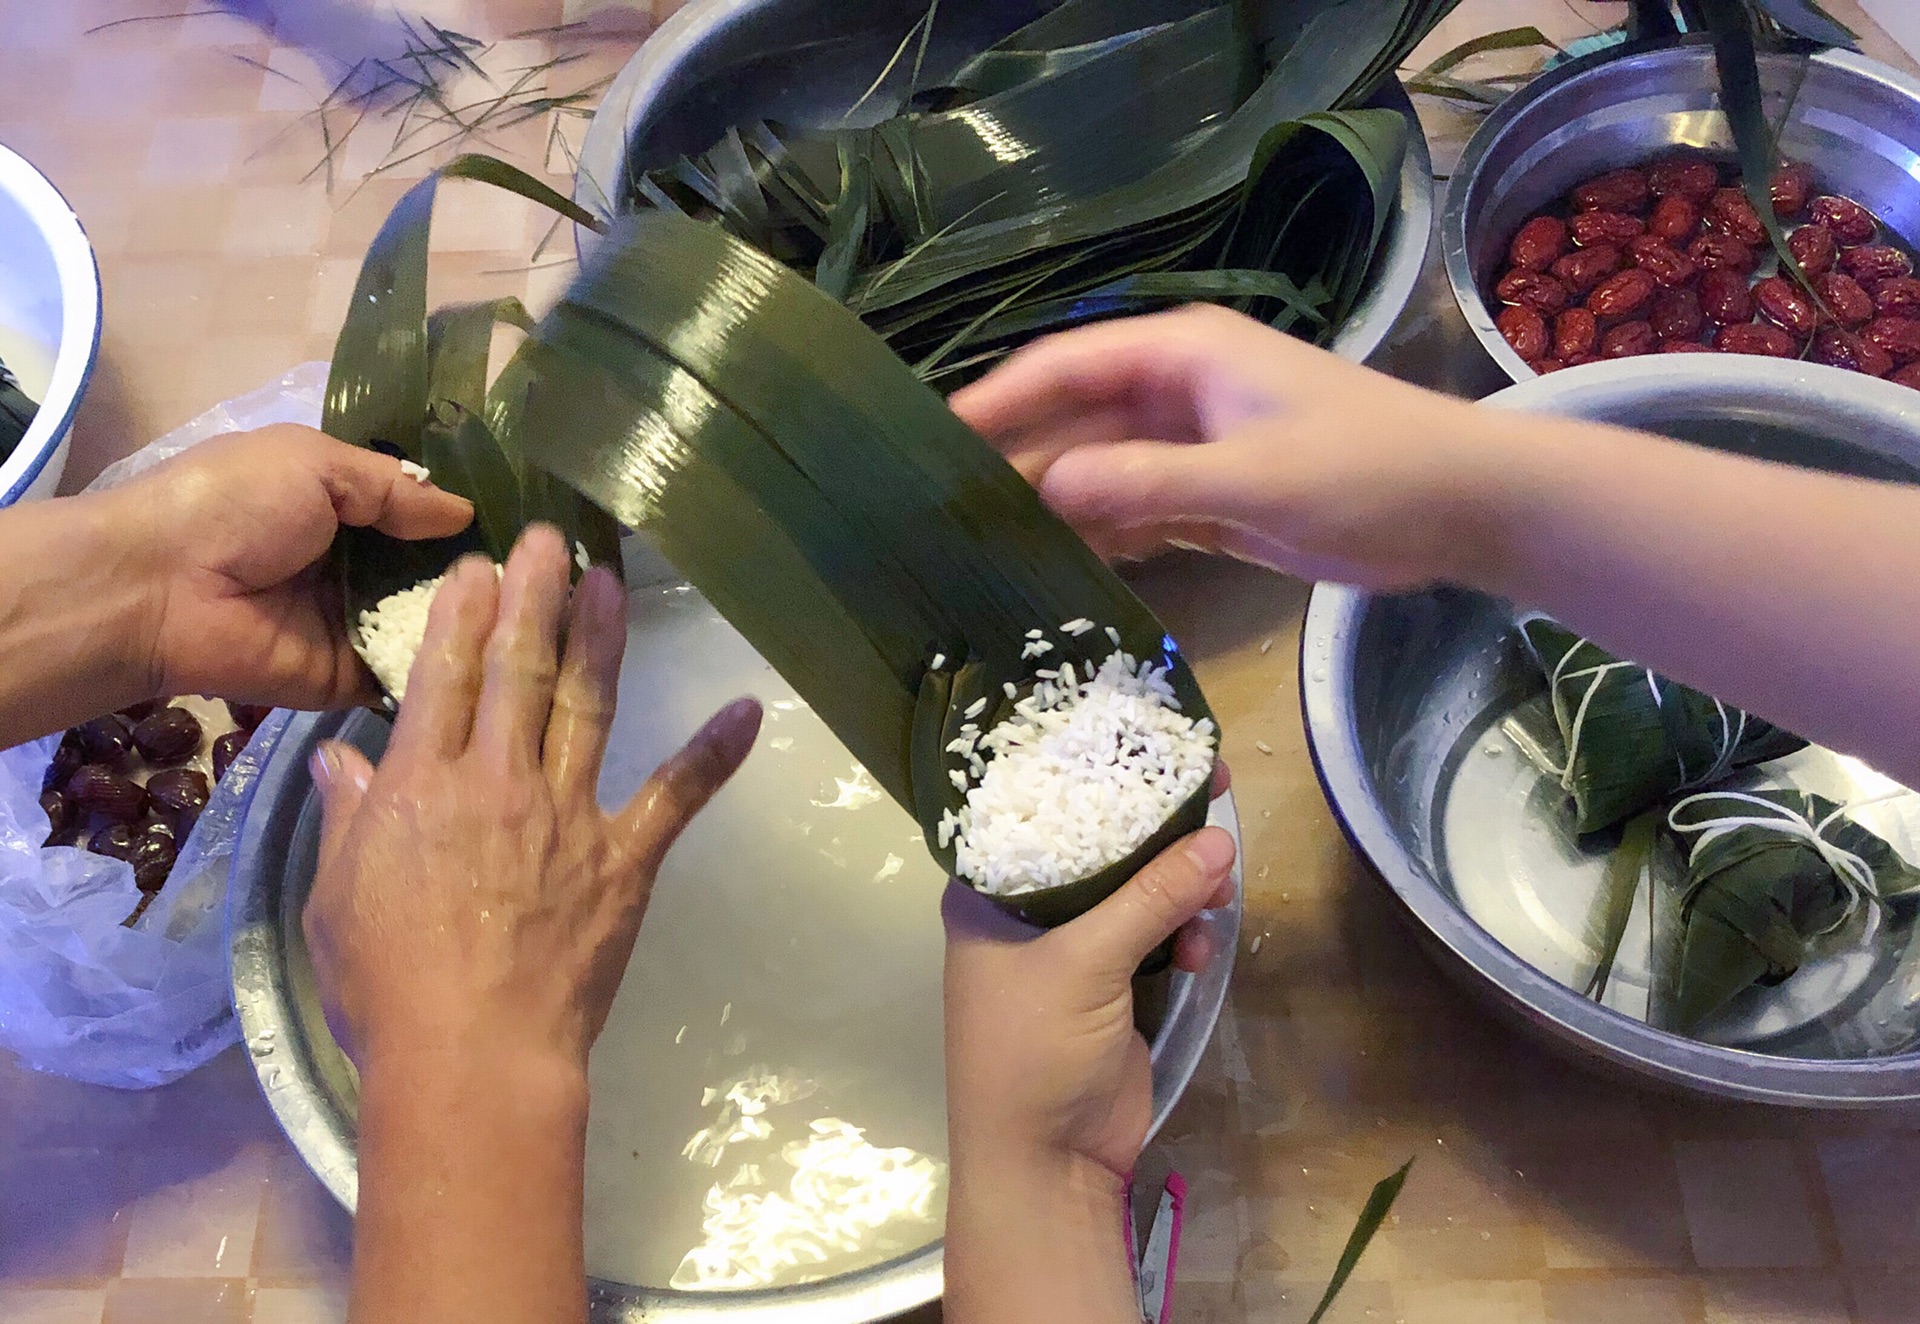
point(342, 775)
point(1113, 938)
point(1134, 483)
point(369, 489)
point(681, 787)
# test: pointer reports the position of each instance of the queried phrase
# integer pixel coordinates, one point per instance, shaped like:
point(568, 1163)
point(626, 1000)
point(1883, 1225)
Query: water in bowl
point(768, 1097)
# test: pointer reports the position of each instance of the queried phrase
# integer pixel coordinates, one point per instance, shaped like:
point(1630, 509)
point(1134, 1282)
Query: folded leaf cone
point(1768, 874)
point(1624, 739)
point(415, 385)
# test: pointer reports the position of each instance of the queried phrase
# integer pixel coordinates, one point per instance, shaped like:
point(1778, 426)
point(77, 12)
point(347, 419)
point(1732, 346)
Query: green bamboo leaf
point(875, 523)
point(464, 457)
point(459, 342)
point(1507, 39)
point(851, 217)
point(1807, 20)
point(1379, 1205)
point(1625, 865)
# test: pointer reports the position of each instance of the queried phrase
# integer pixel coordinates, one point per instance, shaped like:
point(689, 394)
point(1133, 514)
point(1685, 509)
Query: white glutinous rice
point(1083, 772)
point(418, 472)
point(391, 631)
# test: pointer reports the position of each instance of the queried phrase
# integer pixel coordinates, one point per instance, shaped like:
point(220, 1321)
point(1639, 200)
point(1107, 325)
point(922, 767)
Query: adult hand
point(1204, 428)
point(232, 538)
point(1044, 1065)
point(471, 895)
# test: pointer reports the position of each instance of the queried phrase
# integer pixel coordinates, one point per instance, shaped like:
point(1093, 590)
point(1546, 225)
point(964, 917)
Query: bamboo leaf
point(1508, 39)
point(1379, 1205)
point(1625, 866)
point(880, 527)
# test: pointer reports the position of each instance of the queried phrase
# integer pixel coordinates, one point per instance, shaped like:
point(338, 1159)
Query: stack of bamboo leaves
point(1113, 157)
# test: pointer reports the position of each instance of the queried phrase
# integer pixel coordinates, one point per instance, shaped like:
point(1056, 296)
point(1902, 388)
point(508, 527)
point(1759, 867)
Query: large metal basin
point(718, 63)
point(757, 951)
point(1856, 121)
point(1400, 692)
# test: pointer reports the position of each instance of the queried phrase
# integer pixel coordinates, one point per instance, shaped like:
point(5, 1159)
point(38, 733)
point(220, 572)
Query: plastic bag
point(82, 994)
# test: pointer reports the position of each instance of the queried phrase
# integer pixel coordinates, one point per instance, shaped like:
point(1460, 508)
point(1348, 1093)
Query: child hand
point(1050, 1087)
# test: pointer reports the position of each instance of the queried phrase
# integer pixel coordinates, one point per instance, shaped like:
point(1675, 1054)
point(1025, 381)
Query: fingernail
point(1211, 850)
point(736, 726)
point(324, 764)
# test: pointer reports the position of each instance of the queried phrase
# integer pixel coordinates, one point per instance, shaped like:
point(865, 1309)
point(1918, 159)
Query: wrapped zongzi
point(16, 412)
point(1624, 738)
point(1769, 873)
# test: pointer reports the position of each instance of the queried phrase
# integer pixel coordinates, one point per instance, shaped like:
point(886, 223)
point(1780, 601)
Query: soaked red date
point(1581, 271)
point(1790, 187)
point(1757, 338)
point(1617, 190)
point(1538, 243)
point(1623, 296)
point(1545, 366)
point(1725, 298)
point(1575, 332)
point(1907, 376)
point(1871, 262)
point(1843, 297)
point(1685, 174)
point(1716, 252)
point(1526, 330)
point(1842, 349)
point(1531, 289)
point(1785, 304)
point(1628, 340)
point(1676, 315)
point(1731, 214)
point(1899, 297)
point(1659, 259)
point(1851, 223)
point(100, 790)
point(1605, 227)
point(1684, 347)
point(1814, 248)
point(1898, 336)
point(1675, 219)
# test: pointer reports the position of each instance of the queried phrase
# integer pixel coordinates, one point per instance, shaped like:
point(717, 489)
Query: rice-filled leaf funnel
point(1624, 738)
point(415, 385)
point(883, 557)
point(1769, 874)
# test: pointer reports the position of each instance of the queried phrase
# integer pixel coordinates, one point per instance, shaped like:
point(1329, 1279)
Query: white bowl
point(49, 321)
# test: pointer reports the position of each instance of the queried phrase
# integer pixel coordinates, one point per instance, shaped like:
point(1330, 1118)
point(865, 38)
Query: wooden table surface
point(1542, 1193)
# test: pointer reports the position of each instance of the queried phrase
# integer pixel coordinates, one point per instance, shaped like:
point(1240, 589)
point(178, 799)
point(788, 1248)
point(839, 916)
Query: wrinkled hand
point(234, 535)
point(471, 895)
point(1044, 1064)
point(1203, 428)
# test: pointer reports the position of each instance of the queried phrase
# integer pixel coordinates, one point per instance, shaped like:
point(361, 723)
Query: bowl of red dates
point(131, 785)
point(1601, 214)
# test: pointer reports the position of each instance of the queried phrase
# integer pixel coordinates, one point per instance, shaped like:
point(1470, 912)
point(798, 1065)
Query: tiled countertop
point(1543, 1194)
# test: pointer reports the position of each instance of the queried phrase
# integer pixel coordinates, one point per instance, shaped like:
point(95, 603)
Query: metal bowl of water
point(1405, 697)
point(1855, 120)
point(786, 986)
point(718, 63)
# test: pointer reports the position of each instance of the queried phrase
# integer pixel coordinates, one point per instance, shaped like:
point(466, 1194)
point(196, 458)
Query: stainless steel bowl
point(767, 941)
point(717, 63)
point(1399, 694)
point(1856, 121)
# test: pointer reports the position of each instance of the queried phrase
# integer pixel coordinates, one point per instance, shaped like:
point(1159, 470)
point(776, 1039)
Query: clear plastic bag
point(82, 993)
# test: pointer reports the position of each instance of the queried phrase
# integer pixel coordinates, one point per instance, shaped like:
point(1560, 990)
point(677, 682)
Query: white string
point(1577, 726)
point(1855, 876)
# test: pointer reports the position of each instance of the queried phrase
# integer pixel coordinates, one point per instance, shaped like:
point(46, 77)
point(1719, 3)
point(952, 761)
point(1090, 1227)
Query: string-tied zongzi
point(1769, 873)
point(1625, 738)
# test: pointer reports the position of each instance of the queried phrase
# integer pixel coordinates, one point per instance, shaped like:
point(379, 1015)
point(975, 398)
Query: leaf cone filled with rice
point(900, 574)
